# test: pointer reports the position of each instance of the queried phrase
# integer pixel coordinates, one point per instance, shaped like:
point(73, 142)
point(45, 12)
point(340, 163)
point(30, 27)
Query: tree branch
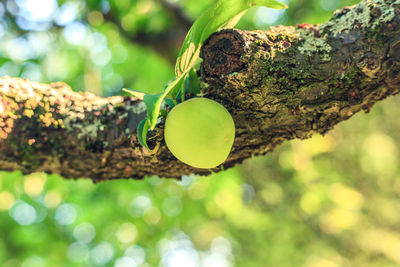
point(278, 85)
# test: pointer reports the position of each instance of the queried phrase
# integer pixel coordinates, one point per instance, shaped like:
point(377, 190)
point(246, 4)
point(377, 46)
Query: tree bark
point(286, 83)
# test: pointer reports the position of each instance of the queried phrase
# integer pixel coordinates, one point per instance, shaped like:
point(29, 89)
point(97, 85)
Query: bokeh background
point(324, 202)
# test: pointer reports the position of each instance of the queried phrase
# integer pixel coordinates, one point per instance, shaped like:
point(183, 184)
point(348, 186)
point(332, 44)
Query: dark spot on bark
point(222, 52)
point(349, 37)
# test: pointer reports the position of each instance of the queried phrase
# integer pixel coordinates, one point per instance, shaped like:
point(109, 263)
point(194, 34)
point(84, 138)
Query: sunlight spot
point(220, 253)
point(216, 260)
point(23, 213)
point(102, 253)
point(228, 201)
point(65, 214)
point(6, 200)
point(172, 206)
point(66, 14)
point(152, 216)
point(101, 58)
point(125, 262)
point(18, 49)
point(9, 68)
point(381, 241)
point(127, 22)
point(75, 33)
point(95, 18)
point(32, 72)
point(84, 232)
point(322, 263)
point(272, 193)
point(137, 253)
point(52, 199)
point(139, 206)
point(96, 42)
point(37, 10)
point(345, 197)
point(105, 6)
point(178, 252)
point(301, 161)
point(221, 245)
point(34, 183)
point(337, 220)
point(186, 180)
point(127, 233)
point(380, 154)
point(180, 257)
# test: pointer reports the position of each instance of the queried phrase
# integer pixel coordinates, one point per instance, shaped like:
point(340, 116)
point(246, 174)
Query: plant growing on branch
point(223, 14)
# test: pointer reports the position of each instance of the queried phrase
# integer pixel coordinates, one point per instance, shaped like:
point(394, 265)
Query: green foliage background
point(327, 201)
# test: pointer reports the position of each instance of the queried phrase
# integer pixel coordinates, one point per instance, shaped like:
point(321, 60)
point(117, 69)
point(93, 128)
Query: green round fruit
point(199, 132)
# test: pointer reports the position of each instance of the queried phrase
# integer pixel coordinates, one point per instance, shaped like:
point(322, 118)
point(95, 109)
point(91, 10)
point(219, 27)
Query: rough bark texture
point(282, 84)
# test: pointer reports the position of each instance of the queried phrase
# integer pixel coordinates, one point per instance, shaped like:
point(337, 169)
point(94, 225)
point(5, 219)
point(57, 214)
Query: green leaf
point(223, 14)
point(153, 102)
point(153, 105)
point(192, 85)
point(135, 93)
point(142, 130)
point(170, 102)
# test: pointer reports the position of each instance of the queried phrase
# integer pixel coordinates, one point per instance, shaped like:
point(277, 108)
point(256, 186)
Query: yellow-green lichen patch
point(367, 14)
point(278, 39)
point(313, 45)
point(90, 131)
point(56, 106)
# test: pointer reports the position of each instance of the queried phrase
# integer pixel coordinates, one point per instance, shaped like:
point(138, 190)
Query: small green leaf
point(192, 85)
point(135, 93)
point(153, 102)
point(153, 105)
point(142, 130)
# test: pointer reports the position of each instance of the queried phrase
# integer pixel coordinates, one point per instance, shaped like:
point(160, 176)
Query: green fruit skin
point(199, 132)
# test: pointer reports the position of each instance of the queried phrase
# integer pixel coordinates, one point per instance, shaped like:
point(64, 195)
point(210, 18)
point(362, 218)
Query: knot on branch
point(369, 64)
point(221, 53)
